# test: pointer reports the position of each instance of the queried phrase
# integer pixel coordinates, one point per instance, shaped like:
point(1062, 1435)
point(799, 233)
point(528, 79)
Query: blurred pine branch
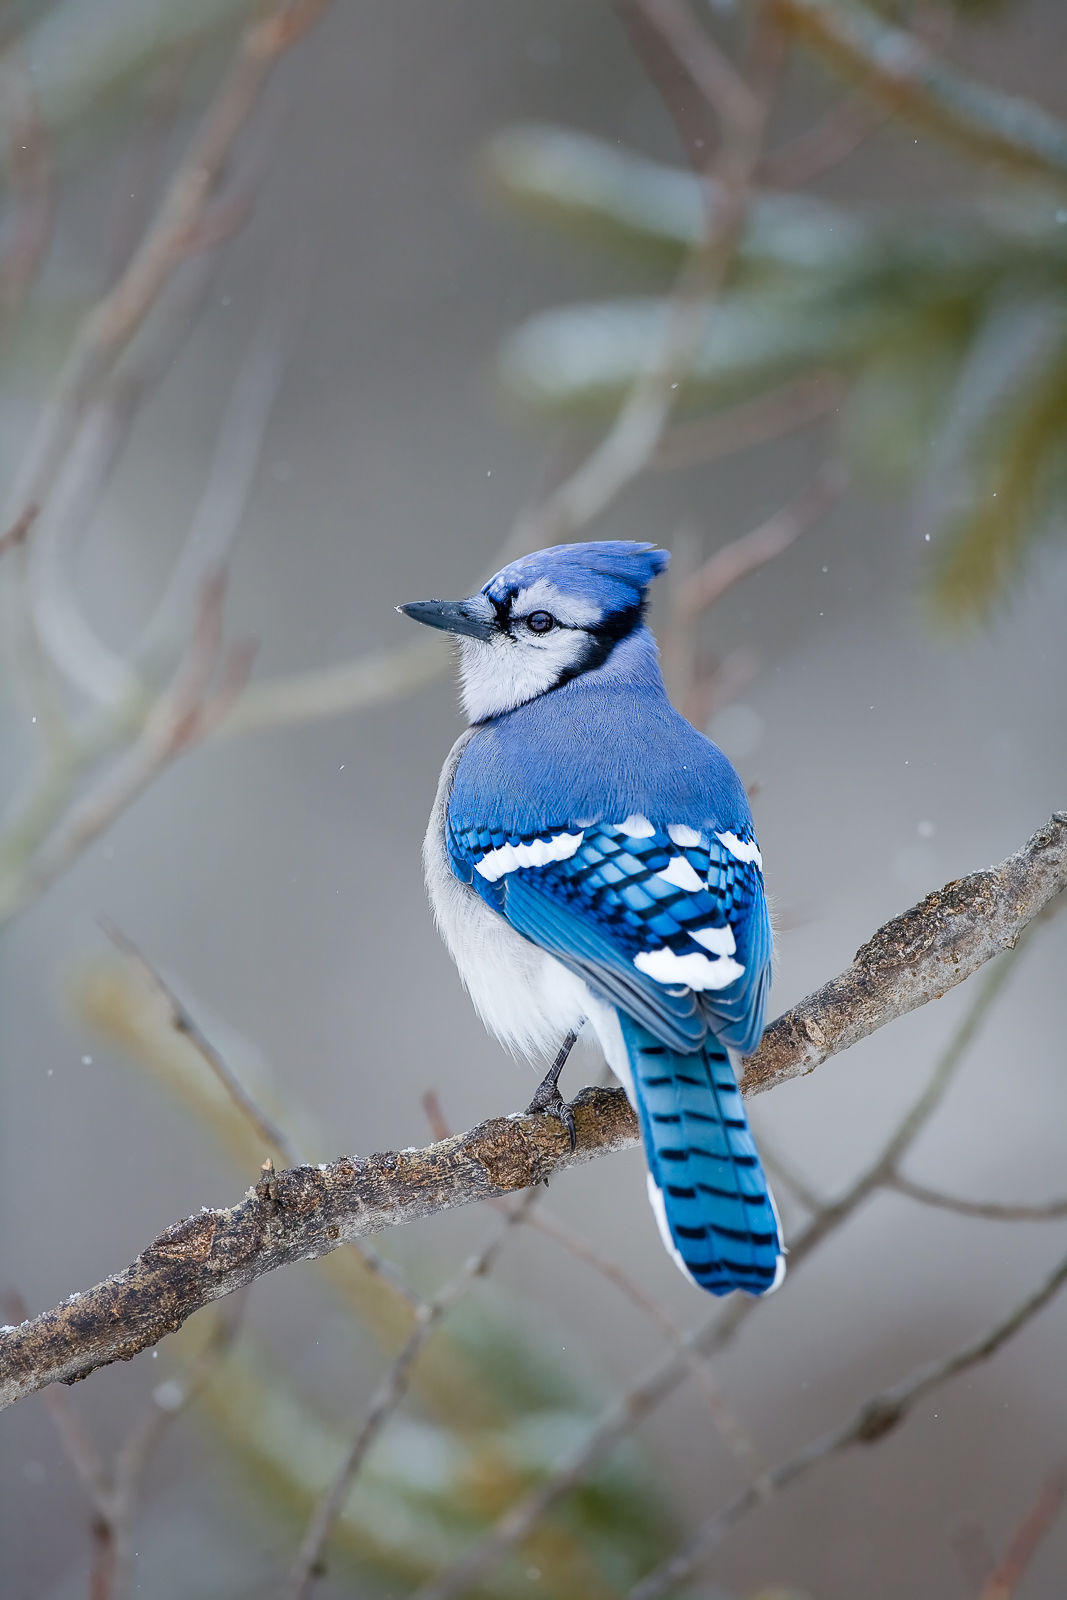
point(903, 305)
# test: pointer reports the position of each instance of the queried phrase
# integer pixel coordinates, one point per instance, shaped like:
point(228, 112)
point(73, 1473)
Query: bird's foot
point(548, 1101)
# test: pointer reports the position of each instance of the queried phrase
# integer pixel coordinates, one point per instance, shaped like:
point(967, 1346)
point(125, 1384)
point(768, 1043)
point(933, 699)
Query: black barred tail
point(706, 1184)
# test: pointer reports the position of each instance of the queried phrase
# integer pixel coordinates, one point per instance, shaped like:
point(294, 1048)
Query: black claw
point(548, 1101)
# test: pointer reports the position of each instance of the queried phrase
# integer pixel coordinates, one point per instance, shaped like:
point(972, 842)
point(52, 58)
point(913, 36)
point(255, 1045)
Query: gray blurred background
point(275, 876)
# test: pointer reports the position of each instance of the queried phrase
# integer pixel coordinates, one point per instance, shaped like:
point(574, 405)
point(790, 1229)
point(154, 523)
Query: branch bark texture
point(916, 958)
point(296, 1215)
point(309, 1211)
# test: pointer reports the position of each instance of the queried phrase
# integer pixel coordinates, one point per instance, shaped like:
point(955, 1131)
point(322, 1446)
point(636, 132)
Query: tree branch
point(915, 958)
point(868, 1424)
point(309, 1211)
point(292, 1216)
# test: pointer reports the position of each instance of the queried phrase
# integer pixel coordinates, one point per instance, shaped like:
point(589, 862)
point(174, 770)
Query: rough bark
point(308, 1211)
point(915, 958)
point(292, 1216)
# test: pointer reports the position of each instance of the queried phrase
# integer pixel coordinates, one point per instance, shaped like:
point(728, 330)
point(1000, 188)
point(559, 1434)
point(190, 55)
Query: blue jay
point(590, 858)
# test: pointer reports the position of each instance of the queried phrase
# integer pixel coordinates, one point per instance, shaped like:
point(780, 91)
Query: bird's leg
point(548, 1098)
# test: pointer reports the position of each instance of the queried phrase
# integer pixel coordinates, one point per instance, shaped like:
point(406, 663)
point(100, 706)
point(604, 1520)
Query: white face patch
point(741, 849)
point(538, 853)
point(506, 671)
point(636, 827)
point(682, 836)
point(692, 971)
point(680, 875)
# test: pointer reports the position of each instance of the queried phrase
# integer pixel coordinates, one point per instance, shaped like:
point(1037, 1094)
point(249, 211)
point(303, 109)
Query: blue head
point(544, 620)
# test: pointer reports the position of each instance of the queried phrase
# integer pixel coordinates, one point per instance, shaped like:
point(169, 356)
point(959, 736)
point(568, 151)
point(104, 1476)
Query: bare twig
point(793, 405)
point(182, 1020)
point(665, 1376)
point(631, 442)
point(241, 432)
point(115, 1495)
point(564, 1234)
point(737, 106)
point(733, 1433)
point(389, 1396)
point(870, 1422)
point(62, 630)
point(735, 560)
point(905, 73)
point(832, 139)
point(990, 1209)
point(1003, 1581)
point(916, 957)
point(351, 686)
point(184, 712)
point(273, 1134)
point(312, 1210)
point(696, 690)
point(115, 319)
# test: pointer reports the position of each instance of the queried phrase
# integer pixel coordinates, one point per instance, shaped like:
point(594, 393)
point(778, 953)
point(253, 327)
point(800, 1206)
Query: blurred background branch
point(881, 342)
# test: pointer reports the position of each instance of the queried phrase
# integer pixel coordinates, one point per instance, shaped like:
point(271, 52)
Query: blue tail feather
point(706, 1184)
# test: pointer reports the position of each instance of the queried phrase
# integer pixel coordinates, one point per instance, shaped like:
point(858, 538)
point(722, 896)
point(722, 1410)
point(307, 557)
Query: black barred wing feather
point(670, 923)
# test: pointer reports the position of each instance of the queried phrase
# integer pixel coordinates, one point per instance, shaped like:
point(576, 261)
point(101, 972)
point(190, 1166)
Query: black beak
point(451, 616)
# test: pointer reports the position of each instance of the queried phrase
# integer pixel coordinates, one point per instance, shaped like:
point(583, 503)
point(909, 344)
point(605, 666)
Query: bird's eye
point(540, 621)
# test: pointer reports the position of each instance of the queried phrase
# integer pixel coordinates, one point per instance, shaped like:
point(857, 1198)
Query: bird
point(591, 862)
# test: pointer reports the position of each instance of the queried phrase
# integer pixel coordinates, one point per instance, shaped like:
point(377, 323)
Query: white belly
point(525, 997)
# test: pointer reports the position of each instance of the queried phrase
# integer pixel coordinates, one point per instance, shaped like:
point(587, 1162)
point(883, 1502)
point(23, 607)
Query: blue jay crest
point(591, 861)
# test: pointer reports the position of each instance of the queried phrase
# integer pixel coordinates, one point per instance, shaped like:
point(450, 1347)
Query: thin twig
point(631, 442)
point(182, 715)
point(369, 680)
point(770, 416)
point(563, 1233)
point(274, 1136)
point(116, 318)
point(730, 97)
point(699, 693)
point(115, 1495)
point(783, 1171)
point(666, 1375)
point(241, 432)
point(869, 1423)
point(904, 72)
point(837, 134)
point(753, 550)
point(1003, 1581)
point(732, 1431)
point(389, 1395)
point(992, 1210)
point(169, 1399)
